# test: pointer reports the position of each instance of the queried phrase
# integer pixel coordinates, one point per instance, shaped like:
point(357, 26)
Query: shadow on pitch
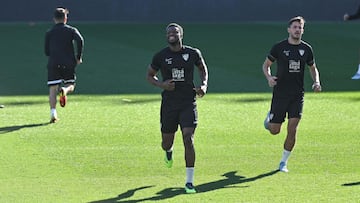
point(25, 103)
point(18, 127)
point(139, 101)
point(351, 184)
point(252, 100)
point(231, 181)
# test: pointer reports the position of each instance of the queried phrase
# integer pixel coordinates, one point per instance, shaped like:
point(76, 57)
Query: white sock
point(358, 72)
point(171, 149)
point(285, 156)
point(190, 174)
point(53, 113)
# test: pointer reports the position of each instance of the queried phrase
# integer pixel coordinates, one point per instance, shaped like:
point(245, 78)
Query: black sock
point(169, 155)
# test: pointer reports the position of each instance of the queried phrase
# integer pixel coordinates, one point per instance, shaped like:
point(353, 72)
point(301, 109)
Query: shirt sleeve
point(273, 55)
point(310, 60)
point(79, 43)
point(155, 63)
point(199, 57)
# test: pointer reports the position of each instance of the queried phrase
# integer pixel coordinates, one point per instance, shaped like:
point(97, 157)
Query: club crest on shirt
point(168, 61)
point(185, 57)
point(301, 52)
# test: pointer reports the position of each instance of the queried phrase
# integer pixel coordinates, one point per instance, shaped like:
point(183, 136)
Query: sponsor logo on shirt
point(178, 74)
point(294, 66)
point(286, 52)
point(168, 61)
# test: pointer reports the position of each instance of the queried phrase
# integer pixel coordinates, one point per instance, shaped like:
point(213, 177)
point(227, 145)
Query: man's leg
point(69, 75)
point(52, 101)
point(289, 142)
point(274, 128)
point(291, 134)
point(188, 139)
point(167, 145)
point(275, 117)
point(357, 74)
point(67, 89)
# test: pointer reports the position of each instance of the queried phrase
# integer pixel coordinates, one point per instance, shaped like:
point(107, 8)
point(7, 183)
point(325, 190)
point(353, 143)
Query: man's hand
point(316, 87)
point(79, 61)
point(272, 81)
point(168, 85)
point(200, 91)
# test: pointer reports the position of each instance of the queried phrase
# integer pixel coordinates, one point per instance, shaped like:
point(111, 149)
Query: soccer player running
point(291, 55)
point(176, 63)
point(61, 59)
point(353, 17)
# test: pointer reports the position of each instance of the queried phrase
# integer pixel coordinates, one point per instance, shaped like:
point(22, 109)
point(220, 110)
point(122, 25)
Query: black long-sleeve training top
point(59, 44)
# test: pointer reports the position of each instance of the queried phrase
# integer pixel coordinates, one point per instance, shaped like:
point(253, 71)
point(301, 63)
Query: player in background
point(291, 55)
point(353, 17)
point(61, 59)
point(176, 64)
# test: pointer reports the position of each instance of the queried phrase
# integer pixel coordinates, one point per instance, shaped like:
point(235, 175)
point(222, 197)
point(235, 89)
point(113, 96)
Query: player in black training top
point(178, 107)
point(62, 59)
point(354, 17)
point(291, 55)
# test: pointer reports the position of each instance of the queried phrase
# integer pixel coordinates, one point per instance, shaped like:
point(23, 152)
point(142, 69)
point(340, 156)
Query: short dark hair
point(299, 19)
point(176, 25)
point(60, 13)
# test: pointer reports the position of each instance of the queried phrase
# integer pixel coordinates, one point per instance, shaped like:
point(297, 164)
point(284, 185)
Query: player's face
point(296, 29)
point(173, 35)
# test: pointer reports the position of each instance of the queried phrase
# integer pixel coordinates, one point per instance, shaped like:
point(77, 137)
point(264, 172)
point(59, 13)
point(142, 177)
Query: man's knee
point(167, 141)
point(188, 140)
point(274, 129)
point(166, 146)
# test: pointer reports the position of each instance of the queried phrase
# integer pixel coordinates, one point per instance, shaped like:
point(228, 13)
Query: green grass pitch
point(106, 146)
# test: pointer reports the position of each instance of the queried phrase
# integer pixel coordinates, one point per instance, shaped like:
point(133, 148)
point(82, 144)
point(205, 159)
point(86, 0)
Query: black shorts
point(175, 112)
point(280, 105)
point(61, 73)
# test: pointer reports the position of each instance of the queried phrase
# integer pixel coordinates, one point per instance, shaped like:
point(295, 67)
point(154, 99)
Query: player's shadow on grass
point(252, 100)
point(121, 196)
point(8, 129)
point(25, 103)
point(231, 181)
point(139, 101)
point(351, 184)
